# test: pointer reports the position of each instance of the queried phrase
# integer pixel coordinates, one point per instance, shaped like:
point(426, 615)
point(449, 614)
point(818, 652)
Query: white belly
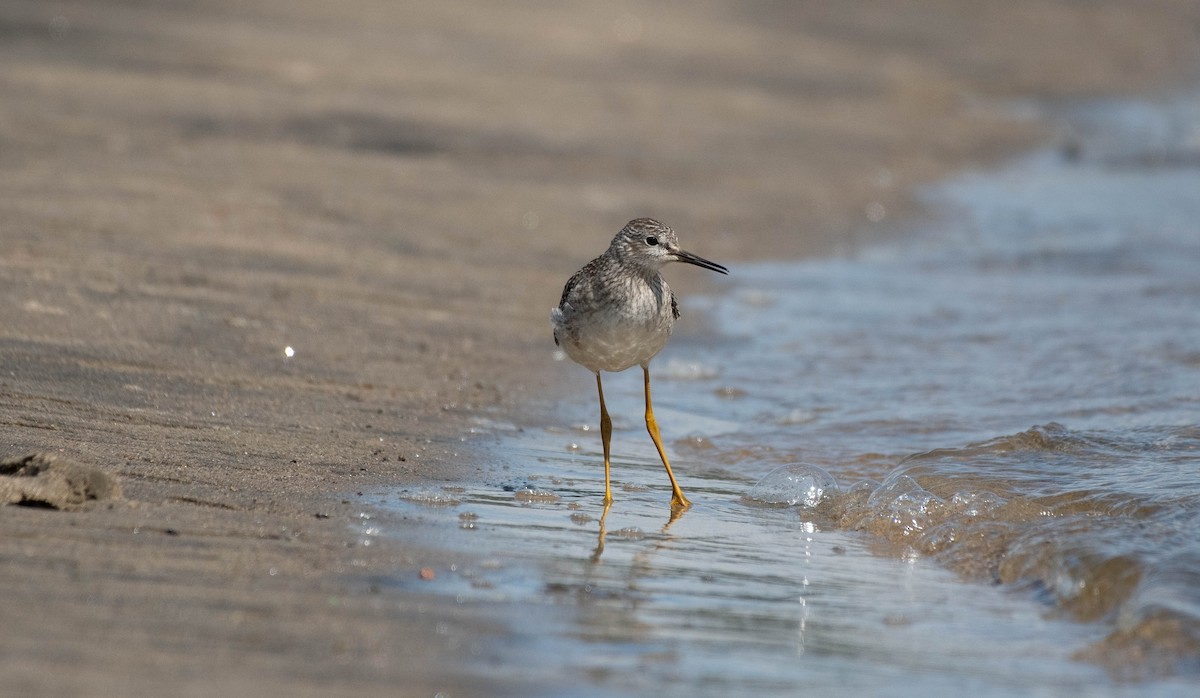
point(613, 346)
point(607, 328)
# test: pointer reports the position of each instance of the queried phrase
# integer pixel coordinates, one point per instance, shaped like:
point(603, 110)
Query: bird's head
point(648, 244)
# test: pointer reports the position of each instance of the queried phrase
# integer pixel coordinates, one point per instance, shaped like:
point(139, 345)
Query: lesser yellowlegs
point(617, 312)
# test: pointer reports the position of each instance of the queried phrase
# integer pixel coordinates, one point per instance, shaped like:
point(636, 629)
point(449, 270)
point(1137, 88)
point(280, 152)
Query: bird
point(618, 312)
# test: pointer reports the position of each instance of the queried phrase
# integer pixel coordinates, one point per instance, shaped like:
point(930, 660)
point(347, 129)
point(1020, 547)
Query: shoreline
point(190, 194)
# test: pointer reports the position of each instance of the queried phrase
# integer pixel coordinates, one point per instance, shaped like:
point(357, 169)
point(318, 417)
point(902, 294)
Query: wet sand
point(396, 194)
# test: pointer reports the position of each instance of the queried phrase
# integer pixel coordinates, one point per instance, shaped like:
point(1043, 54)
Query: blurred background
point(453, 154)
point(294, 238)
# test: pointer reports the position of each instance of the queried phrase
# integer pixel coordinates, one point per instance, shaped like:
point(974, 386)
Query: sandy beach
point(262, 257)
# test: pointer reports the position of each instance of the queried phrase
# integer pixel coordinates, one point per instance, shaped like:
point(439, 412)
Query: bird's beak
point(690, 258)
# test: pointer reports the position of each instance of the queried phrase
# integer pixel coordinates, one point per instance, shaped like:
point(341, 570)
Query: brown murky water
point(1038, 350)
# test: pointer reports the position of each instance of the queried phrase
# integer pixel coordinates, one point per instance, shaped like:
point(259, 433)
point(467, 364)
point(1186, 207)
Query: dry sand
point(397, 191)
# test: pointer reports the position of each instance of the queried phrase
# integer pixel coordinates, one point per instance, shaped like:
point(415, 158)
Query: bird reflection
point(600, 540)
point(675, 515)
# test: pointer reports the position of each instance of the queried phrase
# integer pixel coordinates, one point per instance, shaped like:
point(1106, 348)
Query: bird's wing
point(576, 279)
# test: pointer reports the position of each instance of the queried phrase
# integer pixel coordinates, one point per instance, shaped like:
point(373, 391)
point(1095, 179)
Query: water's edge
point(1036, 351)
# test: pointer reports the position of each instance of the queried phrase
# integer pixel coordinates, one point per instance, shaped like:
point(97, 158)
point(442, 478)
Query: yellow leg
point(605, 438)
point(678, 501)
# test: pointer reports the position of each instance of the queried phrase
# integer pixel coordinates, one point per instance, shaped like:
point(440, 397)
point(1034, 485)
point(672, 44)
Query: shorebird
point(617, 312)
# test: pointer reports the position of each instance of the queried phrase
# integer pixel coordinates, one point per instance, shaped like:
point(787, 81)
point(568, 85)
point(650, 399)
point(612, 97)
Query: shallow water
point(1008, 402)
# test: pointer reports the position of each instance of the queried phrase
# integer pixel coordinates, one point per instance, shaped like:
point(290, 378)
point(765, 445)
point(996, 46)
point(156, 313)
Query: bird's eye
point(652, 241)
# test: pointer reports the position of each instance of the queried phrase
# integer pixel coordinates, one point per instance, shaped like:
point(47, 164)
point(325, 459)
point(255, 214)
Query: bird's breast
point(624, 327)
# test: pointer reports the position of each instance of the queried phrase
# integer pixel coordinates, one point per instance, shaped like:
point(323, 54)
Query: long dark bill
point(700, 262)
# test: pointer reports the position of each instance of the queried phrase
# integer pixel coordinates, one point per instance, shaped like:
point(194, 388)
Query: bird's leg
point(605, 438)
point(678, 501)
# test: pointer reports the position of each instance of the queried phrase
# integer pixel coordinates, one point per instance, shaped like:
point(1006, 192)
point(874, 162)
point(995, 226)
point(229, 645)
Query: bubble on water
point(943, 536)
point(796, 484)
point(629, 533)
point(895, 485)
point(431, 498)
point(528, 494)
point(903, 501)
point(977, 504)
